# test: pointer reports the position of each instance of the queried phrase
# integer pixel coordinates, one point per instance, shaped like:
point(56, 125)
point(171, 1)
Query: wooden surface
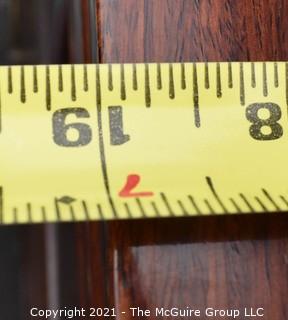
point(220, 262)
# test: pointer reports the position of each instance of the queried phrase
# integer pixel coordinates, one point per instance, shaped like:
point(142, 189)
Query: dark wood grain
point(222, 262)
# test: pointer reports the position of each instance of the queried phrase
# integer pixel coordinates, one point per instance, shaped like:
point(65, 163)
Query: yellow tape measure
point(88, 142)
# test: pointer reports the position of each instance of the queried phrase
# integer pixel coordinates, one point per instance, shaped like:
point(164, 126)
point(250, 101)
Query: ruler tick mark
point(44, 214)
point(210, 208)
point(134, 77)
point(141, 208)
point(171, 82)
point(230, 76)
point(73, 83)
point(10, 82)
point(215, 194)
point(35, 79)
point(276, 76)
point(85, 78)
point(264, 71)
point(100, 211)
point(218, 81)
point(127, 208)
point(269, 197)
point(194, 204)
point(167, 204)
point(154, 206)
point(29, 212)
point(22, 85)
point(206, 75)
point(159, 77)
point(60, 78)
point(242, 196)
point(183, 77)
point(122, 82)
point(183, 209)
point(85, 210)
point(242, 87)
point(253, 76)
point(110, 77)
point(147, 87)
point(101, 142)
point(236, 206)
point(48, 89)
point(196, 97)
point(263, 207)
point(284, 200)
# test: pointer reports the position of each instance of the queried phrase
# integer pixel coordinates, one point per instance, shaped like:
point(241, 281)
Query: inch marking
point(284, 200)
point(242, 196)
point(22, 85)
point(147, 87)
point(44, 214)
point(110, 77)
point(134, 77)
point(10, 82)
point(15, 215)
point(206, 76)
point(57, 209)
point(265, 88)
point(159, 77)
point(48, 89)
point(100, 211)
point(127, 208)
point(194, 204)
point(85, 78)
point(253, 76)
point(60, 78)
point(122, 82)
point(234, 203)
point(242, 88)
point(261, 204)
point(215, 194)
point(171, 82)
point(29, 212)
point(154, 206)
point(218, 81)
point(101, 142)
point(276, 76)
point(183, 77)
point(230, 76)
point(73, 83)
point(35, 79)
point(167, 204)
point(210, 208)
point(86, 210)
point(196, 97)
point(269, 197)
point(141, 208)
point(183, 209)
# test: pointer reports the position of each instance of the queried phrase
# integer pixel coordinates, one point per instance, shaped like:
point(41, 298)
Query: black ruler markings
point(264, 76)
point(60, 78)
point(276, 75)
point(210, 208)
point(101, 142)
point(86, 210)
point(35, 79)
point(122, 82)
point(167, 204)
point(235, 205)
point(134, 77)
point(196, 97)
point(262, 205)
point(22, 85)
point(253, 75)
point(230, 76)
point(183, 76)
point(206, 76)
point(270, 198)
point(85, 78)
point(141, 207)
point(155, 208)
point(171, 82)
point(194, 204)
point(73, 83)
point(159, 77)
point(245, 200)
point(182, 207)
point(10, 80)
point(48, 89)
point(147, 87)
point(127, 208)
point(110, 77)
point(218, 81)
point(100, 211)
point(215, 194)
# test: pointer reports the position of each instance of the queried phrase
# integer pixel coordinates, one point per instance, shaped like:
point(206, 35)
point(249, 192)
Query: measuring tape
point(89, 142)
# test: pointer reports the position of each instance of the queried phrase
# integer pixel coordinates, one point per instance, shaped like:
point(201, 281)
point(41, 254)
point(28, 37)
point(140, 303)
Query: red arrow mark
point(131, 183)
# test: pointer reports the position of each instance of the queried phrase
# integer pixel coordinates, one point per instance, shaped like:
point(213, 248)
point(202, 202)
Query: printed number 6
point(256, 129)
point(60, 128)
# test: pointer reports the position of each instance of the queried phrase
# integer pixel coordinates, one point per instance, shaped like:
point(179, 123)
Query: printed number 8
point(256, 129)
